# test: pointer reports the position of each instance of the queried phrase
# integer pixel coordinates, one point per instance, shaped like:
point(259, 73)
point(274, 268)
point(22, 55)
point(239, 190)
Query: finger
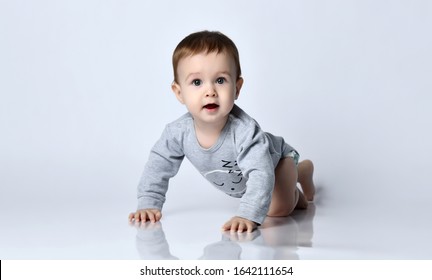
point(137, 216)
point(241, 227)
point(158, 215)
point(143, 216)
point(226, 226)
point(151, 216)
point(131, 216)
point(250, 228)
point(234, 226)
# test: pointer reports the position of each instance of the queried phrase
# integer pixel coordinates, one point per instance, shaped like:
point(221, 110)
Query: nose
point(211, 92)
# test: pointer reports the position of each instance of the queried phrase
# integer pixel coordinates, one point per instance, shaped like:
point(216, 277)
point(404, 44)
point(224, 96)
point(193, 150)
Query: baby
point(224, 143)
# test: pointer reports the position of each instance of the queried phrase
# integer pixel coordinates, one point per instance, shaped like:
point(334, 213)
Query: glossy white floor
point(351, 219)
point(84, 96)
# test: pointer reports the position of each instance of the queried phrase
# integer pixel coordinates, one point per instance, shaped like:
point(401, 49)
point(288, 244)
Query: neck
point(208, 134)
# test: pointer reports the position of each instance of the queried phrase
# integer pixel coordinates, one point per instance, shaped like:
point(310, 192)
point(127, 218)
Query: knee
point(306, 166)
point(281, 212)
point(283, 209)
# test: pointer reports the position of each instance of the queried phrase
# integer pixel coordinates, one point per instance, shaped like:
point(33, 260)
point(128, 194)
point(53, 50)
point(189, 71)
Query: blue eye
point(196, 82)
point(220, 80)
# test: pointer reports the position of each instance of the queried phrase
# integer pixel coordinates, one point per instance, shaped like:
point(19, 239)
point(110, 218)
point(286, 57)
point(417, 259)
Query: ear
point(239, 85)
point(177, 91)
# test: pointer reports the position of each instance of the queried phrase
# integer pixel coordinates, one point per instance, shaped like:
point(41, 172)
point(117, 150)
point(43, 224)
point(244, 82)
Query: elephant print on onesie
point(228, 178)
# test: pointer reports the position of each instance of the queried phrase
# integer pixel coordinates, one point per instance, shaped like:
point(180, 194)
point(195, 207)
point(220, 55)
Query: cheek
point(233, 93)
point(193, 103)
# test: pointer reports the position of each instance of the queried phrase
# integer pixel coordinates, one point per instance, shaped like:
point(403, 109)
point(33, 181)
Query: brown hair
point(207, 42)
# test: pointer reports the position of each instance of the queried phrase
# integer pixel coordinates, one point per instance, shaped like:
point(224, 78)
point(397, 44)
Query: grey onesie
point(241, 163)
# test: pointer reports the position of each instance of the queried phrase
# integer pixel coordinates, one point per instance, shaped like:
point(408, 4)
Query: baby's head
point(205, 42)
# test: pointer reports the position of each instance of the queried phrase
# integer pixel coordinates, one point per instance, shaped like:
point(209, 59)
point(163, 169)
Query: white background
point(85, 92)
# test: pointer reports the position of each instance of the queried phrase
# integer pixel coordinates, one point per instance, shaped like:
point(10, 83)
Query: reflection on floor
point(277, 238)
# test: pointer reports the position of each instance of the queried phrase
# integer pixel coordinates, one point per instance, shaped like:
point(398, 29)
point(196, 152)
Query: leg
point(305, 178)
point(286, 195)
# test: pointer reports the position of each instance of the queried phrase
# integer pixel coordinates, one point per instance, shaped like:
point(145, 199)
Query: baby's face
point(207, 85)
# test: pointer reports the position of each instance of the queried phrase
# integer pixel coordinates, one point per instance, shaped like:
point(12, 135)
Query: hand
point(143, 215)
point(238, 224)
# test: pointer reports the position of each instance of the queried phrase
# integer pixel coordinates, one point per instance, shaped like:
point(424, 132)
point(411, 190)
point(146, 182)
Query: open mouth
point(211, 106)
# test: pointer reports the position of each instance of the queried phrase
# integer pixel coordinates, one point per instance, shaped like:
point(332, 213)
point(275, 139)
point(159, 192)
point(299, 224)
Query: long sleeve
point(164, 162)
point(256, 163)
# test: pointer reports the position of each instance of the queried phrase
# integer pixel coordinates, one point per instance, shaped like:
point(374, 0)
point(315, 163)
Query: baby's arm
point(143, 215)
point(238, 224)
point(164, 161)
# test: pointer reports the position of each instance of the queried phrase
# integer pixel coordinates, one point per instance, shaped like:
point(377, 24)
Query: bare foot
point(305, 178)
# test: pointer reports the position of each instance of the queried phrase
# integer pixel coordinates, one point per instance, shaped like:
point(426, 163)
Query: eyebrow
point(228, 73)
point(191, 74)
